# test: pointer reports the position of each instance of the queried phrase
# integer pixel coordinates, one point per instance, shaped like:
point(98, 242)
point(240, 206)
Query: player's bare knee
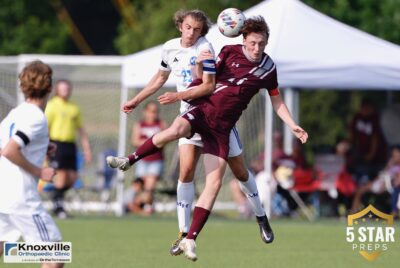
point(172, 132)
point(242, 175)
point(186, 173)
point(238, 168)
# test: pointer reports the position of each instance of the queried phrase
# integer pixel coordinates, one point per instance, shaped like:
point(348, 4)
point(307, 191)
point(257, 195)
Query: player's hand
point(51, 149)
point(129, 106)
point(300, 133)
point(168, 98)
point(47, 174)
point(204, 55)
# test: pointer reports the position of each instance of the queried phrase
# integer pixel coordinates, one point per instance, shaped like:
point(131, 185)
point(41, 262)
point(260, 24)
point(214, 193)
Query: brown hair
point(35, 80)
point(197, 14)
point(255, 24)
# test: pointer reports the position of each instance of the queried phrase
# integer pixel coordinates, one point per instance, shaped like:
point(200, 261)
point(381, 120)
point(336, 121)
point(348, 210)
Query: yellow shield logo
point(370, 231)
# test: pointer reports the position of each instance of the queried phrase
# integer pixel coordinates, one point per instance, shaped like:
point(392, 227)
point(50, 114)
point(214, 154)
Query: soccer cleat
point(119, 162)
point(188, 246)
point(175, 249)
point(267, 235)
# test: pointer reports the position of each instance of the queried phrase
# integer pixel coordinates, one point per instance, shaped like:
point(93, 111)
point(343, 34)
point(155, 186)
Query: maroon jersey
point(238, 80)
point(147, 131)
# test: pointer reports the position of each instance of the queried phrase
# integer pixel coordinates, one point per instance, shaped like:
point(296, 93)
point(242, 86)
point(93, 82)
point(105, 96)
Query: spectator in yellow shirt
point(64, 119)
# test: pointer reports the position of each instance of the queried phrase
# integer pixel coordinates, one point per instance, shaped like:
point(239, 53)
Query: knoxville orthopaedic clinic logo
point(41, 252)
point(370, 232)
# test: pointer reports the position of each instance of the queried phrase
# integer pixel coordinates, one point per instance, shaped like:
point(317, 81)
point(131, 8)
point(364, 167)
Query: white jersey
point(26, 125)
point(181, 61)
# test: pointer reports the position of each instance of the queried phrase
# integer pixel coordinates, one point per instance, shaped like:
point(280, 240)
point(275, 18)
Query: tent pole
point(296, 106)
point(290, 101)
point(268, 143)
point(121, 151)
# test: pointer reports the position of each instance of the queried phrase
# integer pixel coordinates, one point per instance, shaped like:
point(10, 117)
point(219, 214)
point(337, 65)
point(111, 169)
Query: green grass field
point(144, 242)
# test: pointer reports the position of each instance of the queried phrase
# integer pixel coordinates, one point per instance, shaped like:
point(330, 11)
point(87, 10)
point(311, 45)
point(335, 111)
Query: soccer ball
point(230, 22)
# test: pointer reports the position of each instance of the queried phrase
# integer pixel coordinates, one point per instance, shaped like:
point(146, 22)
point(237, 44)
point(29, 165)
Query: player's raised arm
point(283, 112)
point(153, 86)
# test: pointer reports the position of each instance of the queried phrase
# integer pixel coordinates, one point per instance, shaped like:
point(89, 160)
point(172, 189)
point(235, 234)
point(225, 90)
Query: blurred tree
point(152, 20)
point(97, 21)
point(325, 114)
point(378, 18)
point(30, 27)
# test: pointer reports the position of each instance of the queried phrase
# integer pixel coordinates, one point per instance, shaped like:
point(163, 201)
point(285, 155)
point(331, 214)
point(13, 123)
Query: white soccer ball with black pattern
point(230, 22)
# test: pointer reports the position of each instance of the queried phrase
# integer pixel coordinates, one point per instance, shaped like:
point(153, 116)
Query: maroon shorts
point(216, 141)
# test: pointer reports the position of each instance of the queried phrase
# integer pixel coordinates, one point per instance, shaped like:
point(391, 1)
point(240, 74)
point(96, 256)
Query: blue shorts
point(146, 168)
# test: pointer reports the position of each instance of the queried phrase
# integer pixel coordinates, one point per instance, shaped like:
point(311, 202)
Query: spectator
point(345, 183)
point(137, 200)
point(149, 168)
point(300, 178)
point(369, 145)
point(387, 181)
point(64, 118)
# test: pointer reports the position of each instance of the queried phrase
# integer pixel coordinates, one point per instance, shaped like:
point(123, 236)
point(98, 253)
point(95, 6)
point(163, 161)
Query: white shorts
point(38, 227)
point(235, 145)
point(195, 140)
point(146, 168)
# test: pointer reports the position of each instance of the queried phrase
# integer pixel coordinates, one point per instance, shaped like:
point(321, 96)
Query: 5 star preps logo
point(370, 232)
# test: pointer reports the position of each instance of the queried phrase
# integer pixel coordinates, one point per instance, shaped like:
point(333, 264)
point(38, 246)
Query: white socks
point(249, 188)
point(184, 200)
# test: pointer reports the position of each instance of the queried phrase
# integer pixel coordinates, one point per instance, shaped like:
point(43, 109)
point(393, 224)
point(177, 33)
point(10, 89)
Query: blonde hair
point(197, 14)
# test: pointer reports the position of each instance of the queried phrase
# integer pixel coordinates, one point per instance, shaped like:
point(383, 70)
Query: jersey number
point(239, 82)
point(187, 76)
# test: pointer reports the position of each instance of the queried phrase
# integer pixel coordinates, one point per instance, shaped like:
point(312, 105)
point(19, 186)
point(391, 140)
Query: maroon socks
point(147, 148)
point(200, 216)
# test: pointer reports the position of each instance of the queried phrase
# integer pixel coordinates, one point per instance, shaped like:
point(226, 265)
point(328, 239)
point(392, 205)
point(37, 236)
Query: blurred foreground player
point(242, 70)
point(24, 142)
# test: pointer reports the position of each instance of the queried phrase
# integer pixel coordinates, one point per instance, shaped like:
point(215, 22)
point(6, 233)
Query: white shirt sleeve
point(27, 129)
point(164, 60)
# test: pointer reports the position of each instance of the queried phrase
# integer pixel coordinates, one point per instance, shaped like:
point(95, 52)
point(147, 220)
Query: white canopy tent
point(311, 50)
